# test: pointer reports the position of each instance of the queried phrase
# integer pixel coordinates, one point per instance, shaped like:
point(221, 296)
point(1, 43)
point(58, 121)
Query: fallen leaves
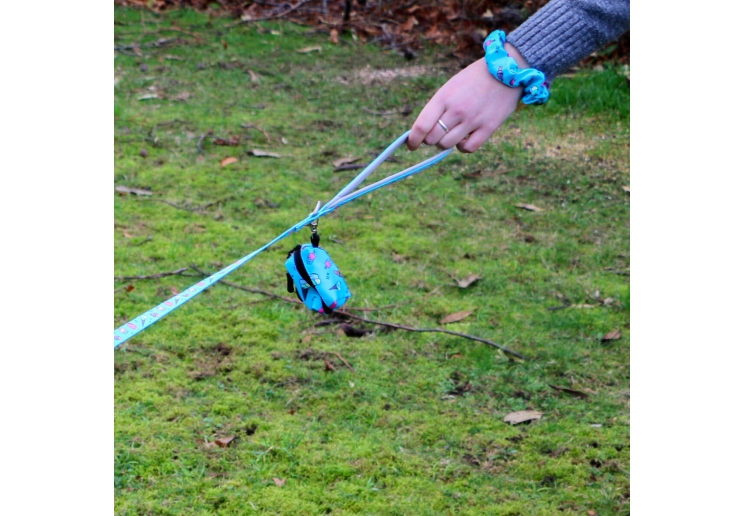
point(572, 392)
point(351, 331)
point(522, 416)
point(334, 36)
point(626, 189)
point(457, 316)
point(528, 207)
point(467, 281)
point(345, 161)
point(182, 97)
point(228, 161)
point(263, 154)
point(224, 442)
point(124, 190)
point(307, 50)
point(254, 77)
point(279, 481)
point(615, 334)
point(235, 140)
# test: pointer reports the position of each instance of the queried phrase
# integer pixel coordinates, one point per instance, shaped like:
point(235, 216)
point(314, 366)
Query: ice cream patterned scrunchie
point(506, 70)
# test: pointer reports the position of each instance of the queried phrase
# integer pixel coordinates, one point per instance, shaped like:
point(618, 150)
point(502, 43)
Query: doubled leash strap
point(345, 196)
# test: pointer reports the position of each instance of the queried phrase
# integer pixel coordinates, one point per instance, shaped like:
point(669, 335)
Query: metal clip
point(314, 224)
point(314, 237)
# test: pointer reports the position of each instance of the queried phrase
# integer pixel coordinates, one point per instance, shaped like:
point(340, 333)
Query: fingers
point(475, 140)
point(454, 136)
point(424, 124)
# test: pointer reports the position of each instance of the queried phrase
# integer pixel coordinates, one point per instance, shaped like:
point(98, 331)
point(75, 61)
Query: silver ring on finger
point(443, 125)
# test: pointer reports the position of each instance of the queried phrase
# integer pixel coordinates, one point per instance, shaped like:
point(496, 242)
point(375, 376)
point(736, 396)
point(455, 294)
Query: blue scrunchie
point(506, 70)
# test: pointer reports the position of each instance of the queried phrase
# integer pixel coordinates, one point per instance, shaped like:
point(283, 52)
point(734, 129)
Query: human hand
point(472, 104)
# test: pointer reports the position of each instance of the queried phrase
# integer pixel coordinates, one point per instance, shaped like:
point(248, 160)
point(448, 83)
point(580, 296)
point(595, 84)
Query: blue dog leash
point(345, 196)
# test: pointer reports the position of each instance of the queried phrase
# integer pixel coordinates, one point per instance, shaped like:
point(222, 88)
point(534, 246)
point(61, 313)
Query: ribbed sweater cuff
point(554, 39)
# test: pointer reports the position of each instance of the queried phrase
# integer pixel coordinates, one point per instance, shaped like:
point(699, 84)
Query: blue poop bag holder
point(310, 270)
point(316, 279)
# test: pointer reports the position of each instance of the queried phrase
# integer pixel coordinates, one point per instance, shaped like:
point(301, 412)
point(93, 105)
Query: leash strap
point(346, 195)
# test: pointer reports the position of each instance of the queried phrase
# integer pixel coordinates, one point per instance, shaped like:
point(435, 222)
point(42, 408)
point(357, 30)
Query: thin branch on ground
point(142, 242)
point(251, 126)
point(247, 289)
point(177, 272)
point(379, 323)
point(432, 330)
point(272, 17)
point(199, 143)
point(157, 44)
point(344, 361)
point(373, 309)
point(194, 209)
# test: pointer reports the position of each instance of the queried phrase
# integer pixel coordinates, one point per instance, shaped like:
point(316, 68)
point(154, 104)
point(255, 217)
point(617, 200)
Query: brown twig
point(251, 126)
point(344, 361)
point(195, 209)
point(379, 323)
point(143, 242)
point(373, 309)
point(432, 330)
point(272, 17)
point(177, 272)
point(247, 289)
point(199, 143)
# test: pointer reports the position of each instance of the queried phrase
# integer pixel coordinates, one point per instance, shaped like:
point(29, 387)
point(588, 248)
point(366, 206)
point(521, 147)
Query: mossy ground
point(418, 427)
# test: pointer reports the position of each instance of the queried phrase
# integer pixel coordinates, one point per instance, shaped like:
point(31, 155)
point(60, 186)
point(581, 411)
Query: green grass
point(418, 427)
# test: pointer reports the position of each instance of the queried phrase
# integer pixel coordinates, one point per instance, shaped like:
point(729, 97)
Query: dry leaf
point(224, 44)
point(398, 258)
point(457, 316)
point(228, 161)
point(569, 391)
point(207, 446)
point(263, 154)
point(529, 207)
point(306, 339)
point(148, 96)
point(224, 442)
point(307, 50)
point(334, 36)
point(280, 481)
point(129, 288)
point(235, 140)
point(351, 331)
point(581, 306)
point(174, 291)
point(613, 335)
point(254, 77)
point(127, 235)
point(329, 366)
point(134, 191)
point(626, 188)
point(409, 24)
point(345, 161)
point(183, 96)
point(521, 416)
point(467, 281)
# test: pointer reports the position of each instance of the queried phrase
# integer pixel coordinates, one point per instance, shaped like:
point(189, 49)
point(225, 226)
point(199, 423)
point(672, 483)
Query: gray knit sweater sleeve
point(564, 32)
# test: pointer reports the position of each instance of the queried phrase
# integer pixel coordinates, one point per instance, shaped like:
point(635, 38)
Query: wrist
point(513, 70)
